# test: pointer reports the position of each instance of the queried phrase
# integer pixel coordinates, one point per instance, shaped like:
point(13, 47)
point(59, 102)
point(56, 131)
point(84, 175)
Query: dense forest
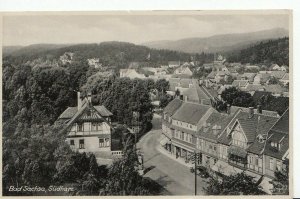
point(34, 148)
point(267, 52)
point(118, 54)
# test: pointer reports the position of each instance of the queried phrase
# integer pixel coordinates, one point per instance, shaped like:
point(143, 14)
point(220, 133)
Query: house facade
point(238, 140)
point(88, 127)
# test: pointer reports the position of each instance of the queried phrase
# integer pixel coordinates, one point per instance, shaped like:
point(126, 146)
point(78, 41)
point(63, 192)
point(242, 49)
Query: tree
point(165, 100)
point(162, 85)
point(235, 97)
point(281, 180)
point(123, 178)
point(273, 80)
point(237, 184)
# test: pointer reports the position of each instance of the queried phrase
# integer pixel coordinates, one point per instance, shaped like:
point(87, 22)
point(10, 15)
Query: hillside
point(118, 54)
point(267, 52)
point(218, 43)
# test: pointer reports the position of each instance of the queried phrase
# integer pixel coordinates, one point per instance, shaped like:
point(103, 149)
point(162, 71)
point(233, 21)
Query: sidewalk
point(163, 151)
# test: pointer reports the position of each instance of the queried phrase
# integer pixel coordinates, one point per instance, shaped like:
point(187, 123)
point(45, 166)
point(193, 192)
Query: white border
point(97, 5)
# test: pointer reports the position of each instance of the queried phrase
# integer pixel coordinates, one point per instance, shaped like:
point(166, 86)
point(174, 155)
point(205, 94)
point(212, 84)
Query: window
point(256, 161)
point(191, 126)
point(81, 144)
point(80, 127)
point(101, 142)
point(215, 148)
point(107, 142)
point(278, 166)
point(271, 164)
point(72, 142)
point(94, 126)
point(191, 138)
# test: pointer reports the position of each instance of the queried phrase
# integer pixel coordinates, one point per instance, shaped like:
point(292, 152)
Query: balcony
point(86, 133)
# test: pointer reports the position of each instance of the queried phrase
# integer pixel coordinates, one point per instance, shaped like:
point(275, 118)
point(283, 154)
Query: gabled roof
point(240, 83)
point(279, 134)
point(253, 87)
point(215, 120)
point(274, 88)
point(190, 112)
point(171, 108)
point(285, 77)
point(103, 111)
point(264, 77)
point(68, 113)
point(278, 74)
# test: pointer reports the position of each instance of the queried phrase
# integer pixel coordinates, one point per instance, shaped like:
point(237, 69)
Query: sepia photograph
point(147, 103)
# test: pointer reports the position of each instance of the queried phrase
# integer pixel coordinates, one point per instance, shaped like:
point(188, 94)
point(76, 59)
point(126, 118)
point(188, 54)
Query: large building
point(240, 139)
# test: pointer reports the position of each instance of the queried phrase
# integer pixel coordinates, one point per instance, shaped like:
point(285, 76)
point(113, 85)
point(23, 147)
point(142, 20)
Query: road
point(174, 177)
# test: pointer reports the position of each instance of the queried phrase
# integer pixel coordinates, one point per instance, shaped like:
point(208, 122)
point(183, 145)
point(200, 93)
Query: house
point(252, 67)
point(88, 128)
point(251, 88)
point(275, 89)
point(181, 84)
point(248, 76)
point(285, 79)
point(276, 150)
point(198, 94)
point(174, 64)
point(220, 60)
point(67, 57)
point(94, 62)
point(222, 75)
point(261, 78)
point(284, 68)
point(277, 74)
point(240, 83)
point(131, 73)
point(274, 67)
point(185, 123)
point(183, 70)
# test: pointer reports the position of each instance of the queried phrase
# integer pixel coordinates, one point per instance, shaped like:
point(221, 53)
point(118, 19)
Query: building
point(285, 79)
point(240, 139)
point(94, 62)
point(240, 83)
point(67, 57)
point(131, 73)
point(174, 64)
point(248, 76)
point(261, 78)
point(88, 127)
point(183, 70)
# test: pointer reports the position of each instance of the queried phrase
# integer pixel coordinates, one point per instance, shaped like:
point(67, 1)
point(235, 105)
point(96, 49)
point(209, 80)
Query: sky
point(132, 26)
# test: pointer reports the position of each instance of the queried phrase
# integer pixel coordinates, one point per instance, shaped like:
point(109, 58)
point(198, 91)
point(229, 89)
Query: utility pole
point(195, 173)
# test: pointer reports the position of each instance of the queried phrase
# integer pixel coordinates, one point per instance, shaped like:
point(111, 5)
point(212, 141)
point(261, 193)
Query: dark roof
point(240, 83)
point(68, 113)
point(278, 74)
point(195, 94)
point(172, 107)
point(216, 119)
point(190, 112)
point(279, 134)
point(286, 77)
point(274, 88)
point(282, 125)
point(258, 95)
point(103, 111)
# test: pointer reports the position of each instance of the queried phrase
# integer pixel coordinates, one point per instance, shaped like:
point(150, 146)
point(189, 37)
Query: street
point(174, 177)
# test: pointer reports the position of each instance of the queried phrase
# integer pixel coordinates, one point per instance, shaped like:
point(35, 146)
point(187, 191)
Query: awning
point(165, 140)
point(255, 176)
point(266, 185)
point(234, 150)
point(225, 168)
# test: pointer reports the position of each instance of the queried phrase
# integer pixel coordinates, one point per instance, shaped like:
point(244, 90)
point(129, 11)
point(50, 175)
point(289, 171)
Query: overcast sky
point(25, 30)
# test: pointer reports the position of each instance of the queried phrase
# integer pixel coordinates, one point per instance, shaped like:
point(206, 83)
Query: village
point(192, 131)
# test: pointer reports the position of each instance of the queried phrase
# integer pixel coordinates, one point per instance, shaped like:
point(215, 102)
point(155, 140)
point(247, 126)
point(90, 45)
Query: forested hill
point(118, 54)
point(267, 52)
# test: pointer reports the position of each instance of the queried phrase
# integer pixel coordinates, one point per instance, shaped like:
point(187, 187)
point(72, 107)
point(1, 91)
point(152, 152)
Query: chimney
point(89, 97)
point(228, 109)
point(251, 112)
point(259, 110)
point(79, 102)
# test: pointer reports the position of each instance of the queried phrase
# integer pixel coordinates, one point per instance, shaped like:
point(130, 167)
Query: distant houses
point(67, 57)
point(94, 62)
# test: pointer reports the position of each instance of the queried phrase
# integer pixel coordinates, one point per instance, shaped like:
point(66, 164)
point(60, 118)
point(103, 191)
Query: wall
point(91, 144)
